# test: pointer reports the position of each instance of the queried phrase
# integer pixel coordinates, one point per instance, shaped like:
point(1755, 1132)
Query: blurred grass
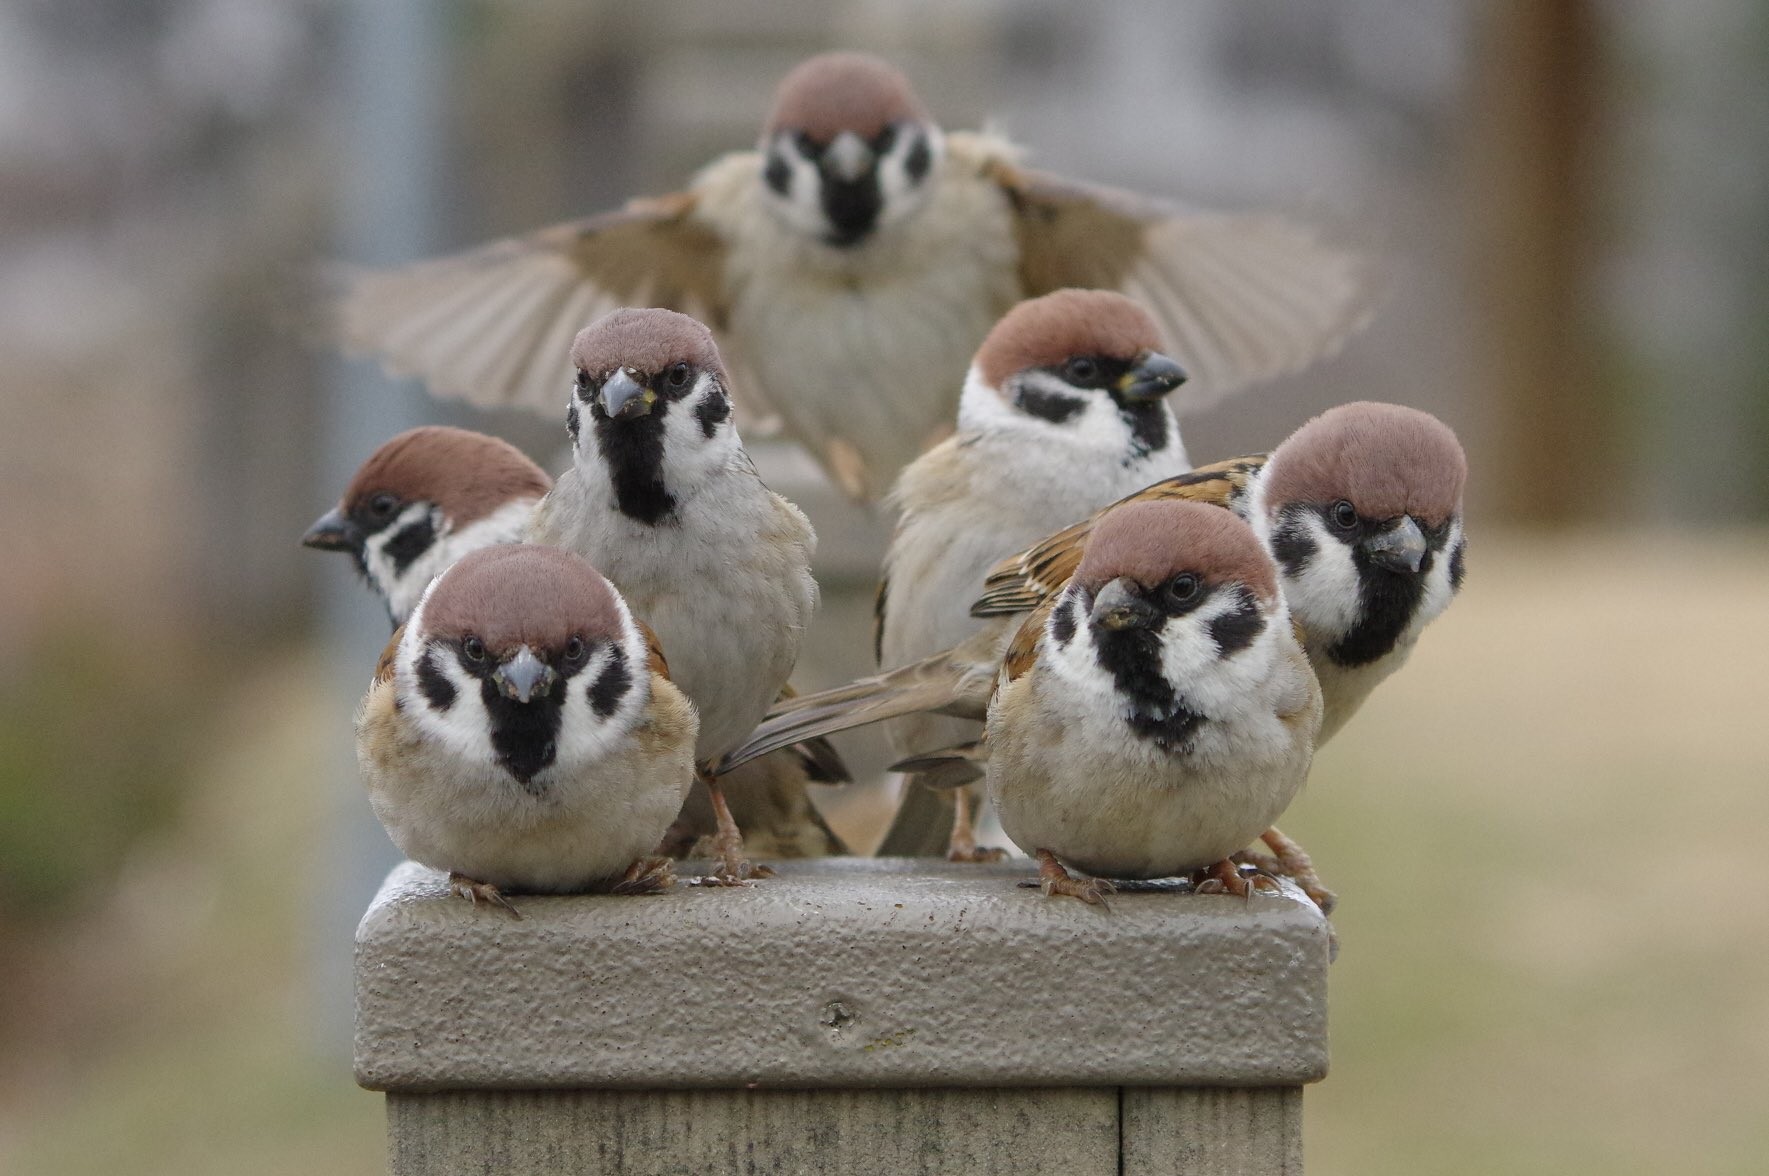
point(1545, 833)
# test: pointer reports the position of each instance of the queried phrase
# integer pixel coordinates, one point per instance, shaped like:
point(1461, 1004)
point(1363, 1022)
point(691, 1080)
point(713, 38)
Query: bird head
point(848, 149)
point(1362, 507)
point(523, 656)
point(422, 500)
point(1169, 617)
point(650, 413)
point(1082, 369)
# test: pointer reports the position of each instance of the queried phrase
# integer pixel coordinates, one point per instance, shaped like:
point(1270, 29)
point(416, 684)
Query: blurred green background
point(1546, 832)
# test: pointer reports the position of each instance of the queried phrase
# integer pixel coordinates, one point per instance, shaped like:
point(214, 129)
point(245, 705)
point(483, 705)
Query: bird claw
point(473, 890)
point(652, 875)
point(1092, 891)
point(1292, 862)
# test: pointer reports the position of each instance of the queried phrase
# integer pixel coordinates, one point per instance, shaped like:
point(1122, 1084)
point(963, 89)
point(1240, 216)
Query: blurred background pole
point(1533, 187)
point(391, 70)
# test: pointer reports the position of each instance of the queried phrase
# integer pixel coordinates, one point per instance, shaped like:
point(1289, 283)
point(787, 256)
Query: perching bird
point(431, 495)
point(422, 501)
point(851, 264)
point(522, 733)
point(1063, 411)
point(663, 499)
point(1362, 509)
point(1158, 715)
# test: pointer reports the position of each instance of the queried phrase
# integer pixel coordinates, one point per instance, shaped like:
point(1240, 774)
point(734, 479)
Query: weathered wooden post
point(847, 1016)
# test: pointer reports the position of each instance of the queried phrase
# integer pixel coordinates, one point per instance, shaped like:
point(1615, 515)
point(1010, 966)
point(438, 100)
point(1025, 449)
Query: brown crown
point(648, 341)
point(1385, 459)
point(522, 594)
point(1151, 542)
point(467, 474)
point(838, 92)
point(1041, 332)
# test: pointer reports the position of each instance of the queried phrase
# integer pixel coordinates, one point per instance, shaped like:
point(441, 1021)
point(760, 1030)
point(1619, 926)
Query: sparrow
point(523, 733)
point(663, 499)
point(1063, 410)
point(431, 495)
point(1158, 714)
point(1361, 508)
point(852, 263)
point(1150, 718)
point(422, 501)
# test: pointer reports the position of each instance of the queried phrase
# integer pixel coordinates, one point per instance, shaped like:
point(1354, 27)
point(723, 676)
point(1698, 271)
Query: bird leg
point(1292, 861)
point(1053, 879)
point(473, 890)
point(730, 868)
point(963, 845)
point(647, 875)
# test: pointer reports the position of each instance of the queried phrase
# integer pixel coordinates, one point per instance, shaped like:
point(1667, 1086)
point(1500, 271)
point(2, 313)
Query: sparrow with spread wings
point(850, 266)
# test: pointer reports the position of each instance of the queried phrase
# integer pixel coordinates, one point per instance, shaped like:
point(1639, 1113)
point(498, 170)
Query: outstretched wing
point(1024, 581)
point(1241, 297)
point(494, 325)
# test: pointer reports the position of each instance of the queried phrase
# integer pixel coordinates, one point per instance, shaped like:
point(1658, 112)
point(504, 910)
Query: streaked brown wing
point(654, 658)
point(1026, 580)
point(494, 325)
point(384, 664)
point(1241, 298)
point(1022, 651)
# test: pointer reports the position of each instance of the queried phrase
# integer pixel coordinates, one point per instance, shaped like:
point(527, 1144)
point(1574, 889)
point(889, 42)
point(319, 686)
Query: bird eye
point(1081, 371)
point(1184, 588)
point(807, 146)
point(574, 649)
point(885, 140)
point(474, 649)
point(678, 375)
point(583, 381)
point(382, 505)
point(1344, 515)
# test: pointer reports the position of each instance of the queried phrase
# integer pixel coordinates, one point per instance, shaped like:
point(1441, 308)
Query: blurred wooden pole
point(1531, 186)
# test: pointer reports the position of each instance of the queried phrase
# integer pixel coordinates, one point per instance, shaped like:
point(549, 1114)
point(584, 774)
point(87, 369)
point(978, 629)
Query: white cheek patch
point(1324, 593)
point(901, 194)
point(463, 727)
point(506, 524)
point(689, 455)
point(1097, 430)
point(1439, 590)
point(1215, 686)
point(802, 206)
point(585, 735)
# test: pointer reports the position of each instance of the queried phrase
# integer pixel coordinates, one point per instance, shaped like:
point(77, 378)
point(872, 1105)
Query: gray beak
point(623, 398)
point(1120, 605)
point(1153, 377)
point(1401, 548)
point(525, 676)
point(847, 157)
point(332, 532)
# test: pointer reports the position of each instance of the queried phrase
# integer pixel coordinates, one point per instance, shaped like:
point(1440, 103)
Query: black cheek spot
point(409, 543)
point(778, 174)
point(1457, 567)
point(1054, 407)
point(1062, 623)
point(1294, 548)
point(1235, 629)
point(919, 159)
point(438, 690)
point(712, 412)
point(611, 684)
point(572, 423)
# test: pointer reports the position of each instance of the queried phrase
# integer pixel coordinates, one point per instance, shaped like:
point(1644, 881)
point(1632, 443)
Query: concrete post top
point(840, 972)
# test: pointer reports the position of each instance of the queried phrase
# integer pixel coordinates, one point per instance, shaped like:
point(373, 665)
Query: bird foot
point(1225, 877)
point(730, 867)
point(1292, 861)
point(651, 875)
point(1054, 880)
point(474, 890)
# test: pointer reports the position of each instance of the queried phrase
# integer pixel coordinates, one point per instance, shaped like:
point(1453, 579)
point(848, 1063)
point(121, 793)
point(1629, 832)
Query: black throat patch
point(1386, 604)
point(633, 451)
point(525, 735)
point(1133, 658)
